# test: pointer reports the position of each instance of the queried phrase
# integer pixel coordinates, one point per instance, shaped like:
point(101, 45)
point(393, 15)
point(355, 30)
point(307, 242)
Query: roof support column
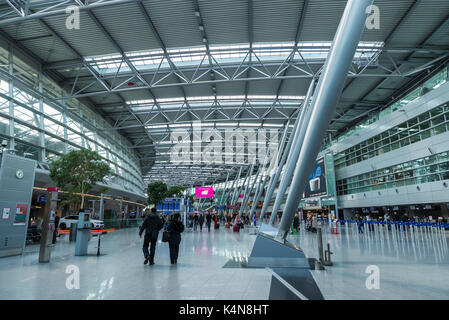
point(324, 102)
point(12, 145)
point(249, 189)
point(42, 157)
point(224, 190)
point(247, 184)
point(278, 166)
point(234, 186)
point(291, 154)
point(229, 193)
point(262, 183)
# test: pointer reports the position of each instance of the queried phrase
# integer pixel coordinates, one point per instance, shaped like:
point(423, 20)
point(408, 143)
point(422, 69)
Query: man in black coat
point(195, 222)
point(208, 221)
point(55, 232)
point(201, 221)
point(152, 225)
point(296, 223)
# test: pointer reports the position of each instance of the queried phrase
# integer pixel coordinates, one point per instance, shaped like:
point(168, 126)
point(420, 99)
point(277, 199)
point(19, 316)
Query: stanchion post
point(48, 227)
point(319, 262)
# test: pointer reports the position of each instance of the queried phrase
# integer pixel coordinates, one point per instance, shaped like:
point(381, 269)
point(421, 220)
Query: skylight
point(177, 103)
point(221, 54)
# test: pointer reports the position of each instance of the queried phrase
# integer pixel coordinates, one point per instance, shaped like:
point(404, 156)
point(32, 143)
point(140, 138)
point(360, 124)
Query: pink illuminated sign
point(204, 192)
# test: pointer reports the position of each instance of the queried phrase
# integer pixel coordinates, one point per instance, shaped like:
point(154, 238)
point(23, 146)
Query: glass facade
point(427, 169)
point(434, 82)
point(39, 124)
point(425, 125)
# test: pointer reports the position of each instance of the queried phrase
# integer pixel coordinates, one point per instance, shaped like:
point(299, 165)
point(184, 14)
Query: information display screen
point(204, 192)
point(317, 184)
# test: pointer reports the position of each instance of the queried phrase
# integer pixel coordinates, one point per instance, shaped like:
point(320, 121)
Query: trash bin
point(73, 229)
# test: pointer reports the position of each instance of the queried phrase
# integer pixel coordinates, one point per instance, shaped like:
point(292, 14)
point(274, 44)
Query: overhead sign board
point(204, 192)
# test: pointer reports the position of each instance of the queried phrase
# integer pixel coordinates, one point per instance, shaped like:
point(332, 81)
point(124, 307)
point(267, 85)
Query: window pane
point(54, 144)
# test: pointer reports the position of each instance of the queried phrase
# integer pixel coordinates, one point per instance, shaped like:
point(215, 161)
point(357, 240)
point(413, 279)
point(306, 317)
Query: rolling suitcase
point(236, 228)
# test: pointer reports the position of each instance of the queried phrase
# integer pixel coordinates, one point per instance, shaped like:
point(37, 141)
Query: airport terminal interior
point(224, 149)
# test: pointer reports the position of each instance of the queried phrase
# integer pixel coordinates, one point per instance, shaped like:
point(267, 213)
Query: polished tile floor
point(121, 274)
point(407, 269)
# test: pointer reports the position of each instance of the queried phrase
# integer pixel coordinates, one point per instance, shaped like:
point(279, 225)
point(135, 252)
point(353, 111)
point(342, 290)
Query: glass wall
point(425, 125)
point(39, 124)
point(427, 169)
point(434, 82)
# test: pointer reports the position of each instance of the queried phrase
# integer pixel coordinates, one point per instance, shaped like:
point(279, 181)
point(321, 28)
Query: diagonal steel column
point(262, 167)
point(285, 153)
point(259, 190)
point(324, 102)
point(291, 156)
point(245, 193)
point(235, 189)
point(257, 194)
point(244, 185)
point(230, 192)
point(251, 189)
point(260, 170)
point(224, 190)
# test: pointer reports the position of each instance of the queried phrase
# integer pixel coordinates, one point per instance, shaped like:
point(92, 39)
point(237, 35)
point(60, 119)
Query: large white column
point(324, 102)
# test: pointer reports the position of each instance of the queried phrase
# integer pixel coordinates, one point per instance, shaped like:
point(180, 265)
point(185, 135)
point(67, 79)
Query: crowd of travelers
point(172, 227)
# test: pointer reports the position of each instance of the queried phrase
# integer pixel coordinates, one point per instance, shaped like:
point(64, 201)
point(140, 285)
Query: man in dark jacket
point(296, 223)
point(152, 225)
point(201, 221)
point(55, 232)
point(195, 222)
point(208, 221)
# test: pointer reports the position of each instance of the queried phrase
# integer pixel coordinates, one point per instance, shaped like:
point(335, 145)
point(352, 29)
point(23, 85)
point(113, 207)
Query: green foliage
point(176, 191)
point(191, 198)
point(157, 191)
point(78, 171)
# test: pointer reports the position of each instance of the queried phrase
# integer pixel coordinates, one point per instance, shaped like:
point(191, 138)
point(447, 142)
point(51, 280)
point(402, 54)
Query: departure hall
point(224, 150)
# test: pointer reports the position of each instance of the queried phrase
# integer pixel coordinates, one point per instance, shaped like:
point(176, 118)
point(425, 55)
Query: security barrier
point(384, 229)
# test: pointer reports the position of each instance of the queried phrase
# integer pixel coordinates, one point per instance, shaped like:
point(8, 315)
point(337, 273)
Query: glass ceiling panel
point(223, 54)
point(206, 101)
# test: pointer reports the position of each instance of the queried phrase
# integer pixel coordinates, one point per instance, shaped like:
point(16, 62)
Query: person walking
point(55, 232)
point(314, 223)
point(208, 221)
point(368, 219)
point(359, 223)
point(201, 222)
point(151, 225)
point(175, 228)
point(296, 223)
point(195, 222)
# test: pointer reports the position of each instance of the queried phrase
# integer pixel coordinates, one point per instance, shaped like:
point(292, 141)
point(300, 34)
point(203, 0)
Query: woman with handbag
point(174, 229)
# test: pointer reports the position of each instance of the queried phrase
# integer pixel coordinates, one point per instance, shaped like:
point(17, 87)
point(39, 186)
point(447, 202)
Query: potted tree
point(157, 191)
point(77, 172)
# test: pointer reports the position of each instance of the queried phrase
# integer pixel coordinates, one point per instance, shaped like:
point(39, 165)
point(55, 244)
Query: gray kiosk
point(16, 189)
point(83, 234)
